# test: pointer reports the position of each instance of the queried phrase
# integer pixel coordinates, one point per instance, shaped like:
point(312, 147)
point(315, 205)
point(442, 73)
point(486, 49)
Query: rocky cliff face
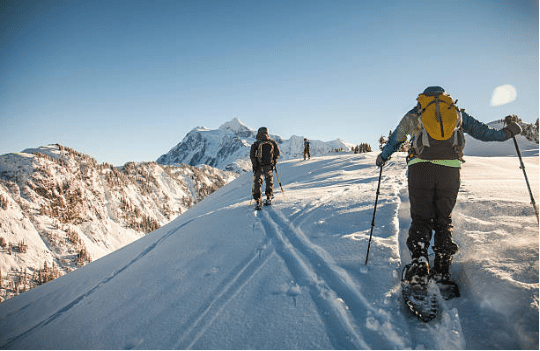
point(59, 209)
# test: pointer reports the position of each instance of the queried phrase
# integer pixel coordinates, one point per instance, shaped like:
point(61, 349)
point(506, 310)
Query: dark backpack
point(265, 153)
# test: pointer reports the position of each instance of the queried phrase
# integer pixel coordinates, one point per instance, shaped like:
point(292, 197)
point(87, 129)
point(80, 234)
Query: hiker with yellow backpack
point(264, 154)
point(436, 126)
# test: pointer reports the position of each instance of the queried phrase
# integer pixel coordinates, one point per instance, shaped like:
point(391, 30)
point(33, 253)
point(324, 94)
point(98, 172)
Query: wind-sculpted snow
point(292, 276)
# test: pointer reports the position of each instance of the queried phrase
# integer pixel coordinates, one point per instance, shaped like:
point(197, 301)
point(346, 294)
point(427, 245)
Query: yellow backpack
point(440, 135)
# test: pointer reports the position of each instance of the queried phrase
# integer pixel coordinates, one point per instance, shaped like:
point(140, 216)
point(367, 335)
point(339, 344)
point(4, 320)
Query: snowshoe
point(420, 297)
point(448, 288)
point(268, 202)
point(258, 205)
point(417, 273)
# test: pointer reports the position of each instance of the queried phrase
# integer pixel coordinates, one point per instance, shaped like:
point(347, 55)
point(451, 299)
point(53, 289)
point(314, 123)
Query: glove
point(512, 129)
point(380, 161)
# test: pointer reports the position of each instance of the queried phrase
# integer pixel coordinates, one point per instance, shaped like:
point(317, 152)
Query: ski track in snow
point(196, 326)
point(341, 306)
point(80, 298)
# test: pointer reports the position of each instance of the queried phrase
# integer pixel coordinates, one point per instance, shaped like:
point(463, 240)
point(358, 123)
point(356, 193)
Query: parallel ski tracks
point(343, 309)
point(195, 327)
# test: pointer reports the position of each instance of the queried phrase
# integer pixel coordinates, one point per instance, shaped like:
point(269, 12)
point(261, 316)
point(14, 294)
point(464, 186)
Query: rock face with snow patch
point(59, 209)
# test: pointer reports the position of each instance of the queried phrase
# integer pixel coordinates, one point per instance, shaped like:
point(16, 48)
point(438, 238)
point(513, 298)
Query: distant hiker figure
point(264, 155)
point(436, 126)
point(307, 149)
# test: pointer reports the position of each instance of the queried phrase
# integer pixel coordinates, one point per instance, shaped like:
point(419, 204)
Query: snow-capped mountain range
point(228, 147)
point(222, 276)
point(60, 209)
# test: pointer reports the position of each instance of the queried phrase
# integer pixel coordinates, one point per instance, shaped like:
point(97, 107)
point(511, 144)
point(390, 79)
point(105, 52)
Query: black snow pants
point(265, 172)
point(433, 191)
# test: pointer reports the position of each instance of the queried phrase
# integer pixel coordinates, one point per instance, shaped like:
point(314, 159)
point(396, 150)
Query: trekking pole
point(374, 212)
point(279, 182)
point(252, 186)
point(526, 178)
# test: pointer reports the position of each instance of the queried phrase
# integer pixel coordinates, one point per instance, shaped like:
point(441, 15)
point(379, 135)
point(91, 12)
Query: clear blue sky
point(126, 80)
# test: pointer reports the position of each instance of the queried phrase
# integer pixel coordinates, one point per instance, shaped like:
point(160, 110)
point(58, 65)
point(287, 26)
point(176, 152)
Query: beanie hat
point(433, 91)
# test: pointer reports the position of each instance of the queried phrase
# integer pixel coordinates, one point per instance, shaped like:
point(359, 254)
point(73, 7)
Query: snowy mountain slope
point(528, 146)
point(59, 209)
point(292, 276)
point(228, 147)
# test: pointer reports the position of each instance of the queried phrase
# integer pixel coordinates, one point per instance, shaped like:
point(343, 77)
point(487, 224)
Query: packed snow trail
point(292, 276)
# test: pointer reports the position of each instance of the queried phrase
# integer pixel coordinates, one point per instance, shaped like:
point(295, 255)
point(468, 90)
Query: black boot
point(441, 267)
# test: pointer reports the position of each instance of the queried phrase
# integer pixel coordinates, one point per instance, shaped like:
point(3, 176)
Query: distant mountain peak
point(228, 147)
point(237, 127)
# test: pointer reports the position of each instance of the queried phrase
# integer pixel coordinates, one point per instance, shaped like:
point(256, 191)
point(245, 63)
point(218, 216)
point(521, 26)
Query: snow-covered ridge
point(238, 128)
point(292, 276)
point(228, 147)
point(59, 209)
point(60, 206)
point(527, 142)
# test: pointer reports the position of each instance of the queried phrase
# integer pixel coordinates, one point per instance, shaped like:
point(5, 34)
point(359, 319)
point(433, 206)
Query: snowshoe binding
point(268, 202)
point(258, 205)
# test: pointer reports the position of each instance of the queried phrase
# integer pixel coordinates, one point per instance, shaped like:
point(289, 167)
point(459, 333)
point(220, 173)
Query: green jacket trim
point(447, 163)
